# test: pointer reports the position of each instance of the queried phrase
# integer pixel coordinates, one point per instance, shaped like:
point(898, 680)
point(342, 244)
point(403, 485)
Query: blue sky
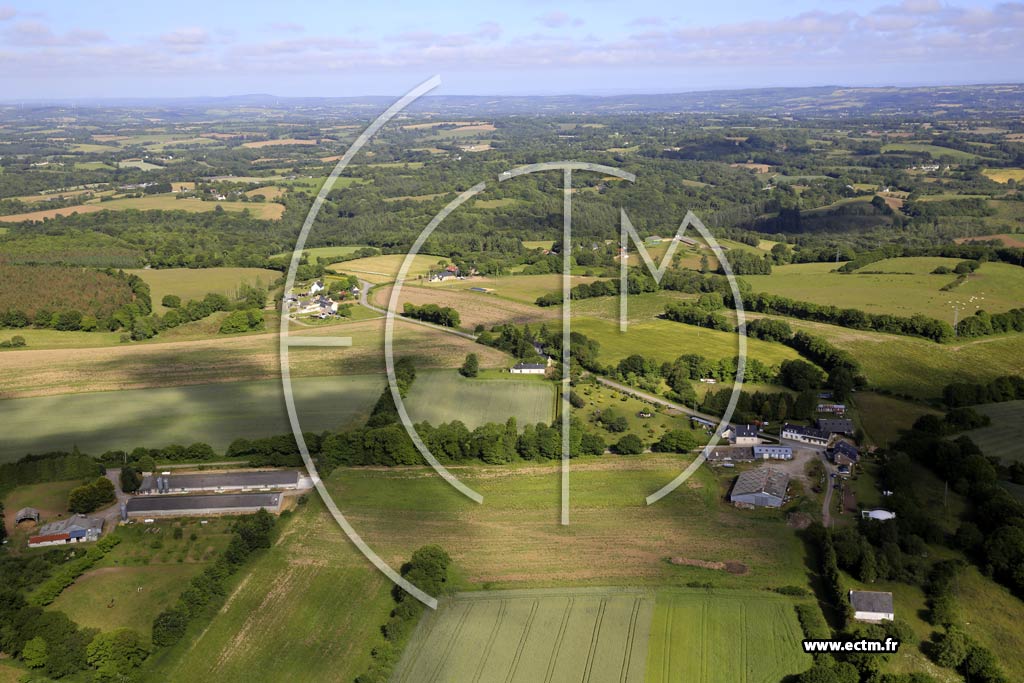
point(58, 49)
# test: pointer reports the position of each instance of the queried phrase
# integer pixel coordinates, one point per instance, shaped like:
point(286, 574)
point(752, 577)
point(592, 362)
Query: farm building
point(773, 453)
point(834, 408)
point(26, 515)
point(763, 487)
point(529, 369)
point(742, 435)
point(74, 529)
point(872, 605)
point(836, 426)
point(878, 514)
point(730, 454)
point(224, 481)
point(214, 504)
point(808, 435)
point(844, 453)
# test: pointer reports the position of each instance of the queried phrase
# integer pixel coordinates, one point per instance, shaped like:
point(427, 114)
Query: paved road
point(364, 299)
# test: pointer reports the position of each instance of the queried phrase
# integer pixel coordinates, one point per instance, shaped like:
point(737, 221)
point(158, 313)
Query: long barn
point(207, 505)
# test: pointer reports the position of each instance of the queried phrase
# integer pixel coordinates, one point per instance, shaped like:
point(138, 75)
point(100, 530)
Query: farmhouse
point(183, 506)
point(529, 369)
point(264, 480)
point(742, 435)
point(844, 454)
point(808, 435)
point(835, 426)
point(763, 487)
point(26, 515)
point(872, 606)
point(74, 529)
point(773, 453)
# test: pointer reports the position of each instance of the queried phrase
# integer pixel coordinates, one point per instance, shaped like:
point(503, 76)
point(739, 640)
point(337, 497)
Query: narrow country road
point(826, 506)
point(364, 300)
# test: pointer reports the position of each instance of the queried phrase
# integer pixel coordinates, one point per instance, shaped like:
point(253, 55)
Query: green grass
point(883, 417)
point(935, 151)
point(514, 540)
point(170, 202)
point(918, 265)
point(1000, 284)
point(445, 395)
point(195, 283)
point(523, 288)
point(724, 637)
point(323, 252)
point(309, 608)
point(214, 413)
point(1002, 438)
point(562, 635)
point(50, 498)
point(993, 616)
point(538, 244)
point(109, 598)
point(54, 339)
point(600, 398)
point(665, 340)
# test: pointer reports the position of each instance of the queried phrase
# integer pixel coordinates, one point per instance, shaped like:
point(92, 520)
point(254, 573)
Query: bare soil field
point(475, 308)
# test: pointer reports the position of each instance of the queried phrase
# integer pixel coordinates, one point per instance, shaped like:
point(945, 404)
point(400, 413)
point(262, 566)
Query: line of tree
point(206, 592)
point(1000, 389)
point(43, 467)
point(432, 313)
point(428, 570)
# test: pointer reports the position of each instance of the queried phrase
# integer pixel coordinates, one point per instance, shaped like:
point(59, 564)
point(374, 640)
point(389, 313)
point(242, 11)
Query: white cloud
point(557, 19)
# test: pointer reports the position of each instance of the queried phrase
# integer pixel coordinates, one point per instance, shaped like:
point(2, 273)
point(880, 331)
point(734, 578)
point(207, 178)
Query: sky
point(54, 49)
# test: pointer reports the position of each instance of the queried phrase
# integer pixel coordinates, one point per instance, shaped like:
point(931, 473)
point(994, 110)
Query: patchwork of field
point(724, 638)
point(524, 636)
point(523, 288)
point(1000, 284)
point(164, 202)
point(445, 395)
point(883, 417)
point(214, 413)
point(475, 308)
point(204, 360)
point(921, 368)
point(384, 268)
point(933, 150)
point(665, 340)
point(1004, 175)
point(514, 539)
point(1002, 438)
point(195, 283)
point(312, 596)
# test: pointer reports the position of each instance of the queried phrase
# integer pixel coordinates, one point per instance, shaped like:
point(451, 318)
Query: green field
point(524, 288)
point(603, 634)
point(665, 340)
point(724, 637)
point(195, 283)
point(445, 395)
point(50, 498)
point(384, 268)
point(918, 265)
point(1002, 438)
point(524, 636)
point(514, 540)
point(934, 150)
point(1000, 287)
point(309, 608)
point(170, 202)
point(883, 417)
point(214, 413)
point(323, 252)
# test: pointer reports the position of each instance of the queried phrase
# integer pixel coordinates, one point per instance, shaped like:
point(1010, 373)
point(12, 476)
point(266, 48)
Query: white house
point(742, 435)
point(872, 606)
point(316, 287)
point(808, 435)
point(529, 369)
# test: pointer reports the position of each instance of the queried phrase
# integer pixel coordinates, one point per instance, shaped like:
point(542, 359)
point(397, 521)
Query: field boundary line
point(704, 640)
point(451, 643)
point(666, 657)
point(630, 635)
point(522, 641)
point(411, 656)
point(558, 640)
point(490, 641)
point(594, 637)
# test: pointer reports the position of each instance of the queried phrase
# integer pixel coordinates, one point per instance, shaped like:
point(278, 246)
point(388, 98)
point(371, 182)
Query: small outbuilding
point(74, 529)
point(772, 452)
point(873, 606)
point(27, 515)
point(836, 426)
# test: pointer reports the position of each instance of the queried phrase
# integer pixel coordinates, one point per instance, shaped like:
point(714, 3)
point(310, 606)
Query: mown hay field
point(1002, 438)
point(195, 283)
